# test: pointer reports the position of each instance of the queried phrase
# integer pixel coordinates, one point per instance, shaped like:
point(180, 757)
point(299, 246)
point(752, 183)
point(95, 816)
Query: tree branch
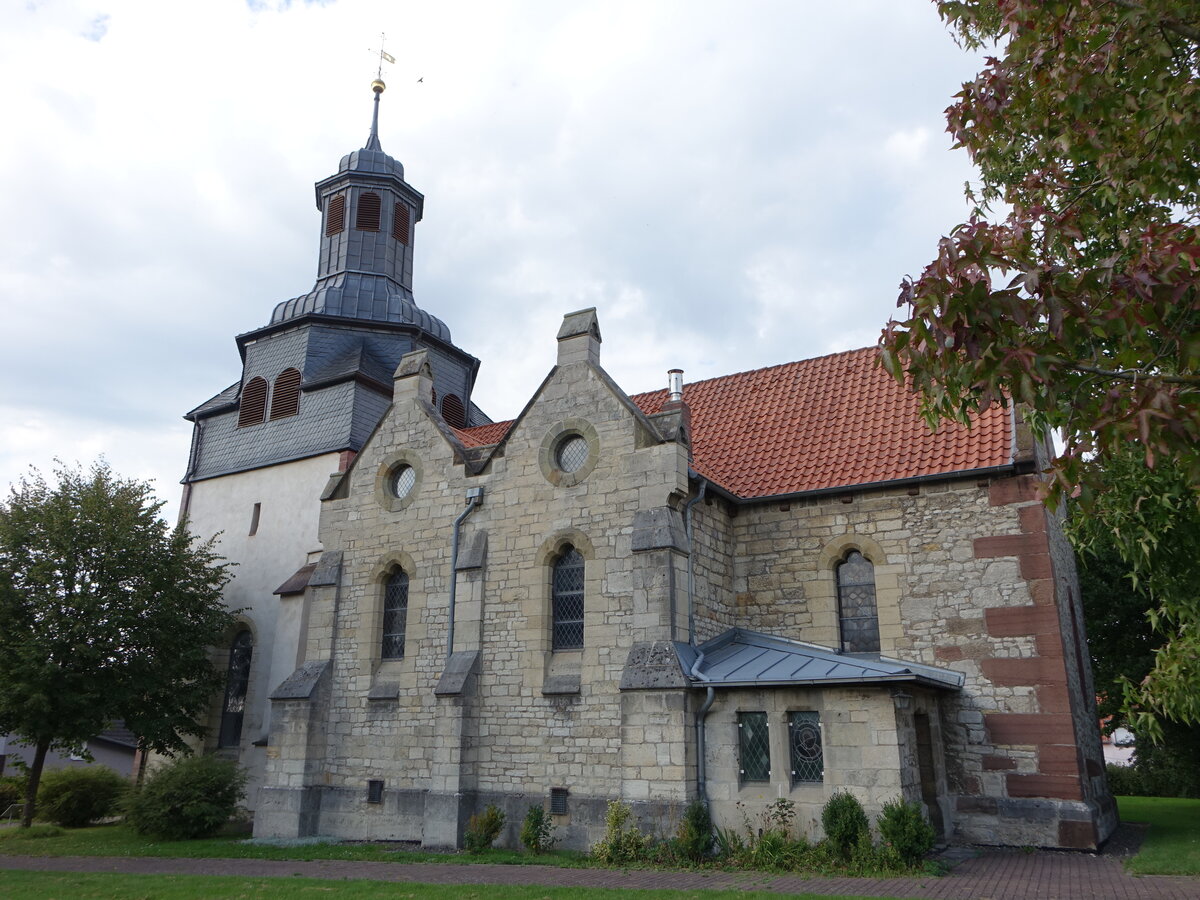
point(1180, 28)
point(1133, 375)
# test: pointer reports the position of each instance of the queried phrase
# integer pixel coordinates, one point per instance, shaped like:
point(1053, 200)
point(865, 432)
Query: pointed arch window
point(285, 398)
point(369, 207)
point(400, 223)
point(395, 614)
point(237, 680)
point(857, 611)
point(335, 215)
point(567, 600)
point(253, 406)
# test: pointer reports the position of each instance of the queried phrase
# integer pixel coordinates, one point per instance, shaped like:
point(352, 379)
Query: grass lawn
point(119, 840)
point(1172, 844)
point(95, 886)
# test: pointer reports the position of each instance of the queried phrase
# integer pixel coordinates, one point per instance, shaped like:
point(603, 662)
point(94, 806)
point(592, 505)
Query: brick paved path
point(996, 875)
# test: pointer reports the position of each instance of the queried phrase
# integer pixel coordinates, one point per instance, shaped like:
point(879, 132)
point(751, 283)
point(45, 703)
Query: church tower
point(315, 381)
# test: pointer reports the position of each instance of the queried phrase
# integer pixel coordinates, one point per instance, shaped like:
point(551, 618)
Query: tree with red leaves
point(1074, 289)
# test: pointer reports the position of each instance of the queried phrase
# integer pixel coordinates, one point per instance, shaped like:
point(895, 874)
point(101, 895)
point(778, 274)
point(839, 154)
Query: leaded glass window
point(754, 746)
point(567, 600)
point(237, 680)
point(856, 604)
point(804, 743)
point(395, 614)
point(572, 453)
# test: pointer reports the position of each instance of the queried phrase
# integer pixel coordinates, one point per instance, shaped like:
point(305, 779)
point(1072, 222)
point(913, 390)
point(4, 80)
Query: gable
point(836, 421)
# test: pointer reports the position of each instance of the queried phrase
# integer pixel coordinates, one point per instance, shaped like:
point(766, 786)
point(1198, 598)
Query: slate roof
point(741, 658)
point(818, 424)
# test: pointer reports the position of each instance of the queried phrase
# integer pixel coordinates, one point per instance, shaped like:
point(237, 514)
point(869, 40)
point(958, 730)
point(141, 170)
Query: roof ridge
point(782, 365)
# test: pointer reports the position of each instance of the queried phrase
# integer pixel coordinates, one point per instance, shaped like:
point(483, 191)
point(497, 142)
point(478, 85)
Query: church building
point(776, 584)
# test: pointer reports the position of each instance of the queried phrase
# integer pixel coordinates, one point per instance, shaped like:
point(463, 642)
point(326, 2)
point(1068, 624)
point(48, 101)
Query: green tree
point(105, 614)
point(1139, 544)
point(1074, 289)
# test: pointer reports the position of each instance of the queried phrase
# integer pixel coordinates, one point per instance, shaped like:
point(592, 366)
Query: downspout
point(702, 712)
point(474, 498)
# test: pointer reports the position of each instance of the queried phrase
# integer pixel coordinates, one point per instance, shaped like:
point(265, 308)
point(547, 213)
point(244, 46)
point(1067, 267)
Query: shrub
point(845, 822)
point(191, 797)
point(483, 829)
point(622, 841)
point(695, 838)
point(79, 795)
point(537, 831)
point(12, 790)
point(904, 829)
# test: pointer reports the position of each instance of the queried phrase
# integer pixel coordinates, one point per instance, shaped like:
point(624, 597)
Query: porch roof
point(744, 658)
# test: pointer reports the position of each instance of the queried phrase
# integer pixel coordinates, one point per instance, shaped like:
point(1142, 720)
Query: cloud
point(731, 186)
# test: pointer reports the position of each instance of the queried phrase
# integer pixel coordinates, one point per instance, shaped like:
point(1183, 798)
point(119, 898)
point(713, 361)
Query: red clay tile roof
point(830, 422)
point(482, 435)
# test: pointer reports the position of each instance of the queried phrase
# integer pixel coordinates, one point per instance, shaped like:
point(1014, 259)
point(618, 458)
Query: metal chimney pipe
point(675, 385)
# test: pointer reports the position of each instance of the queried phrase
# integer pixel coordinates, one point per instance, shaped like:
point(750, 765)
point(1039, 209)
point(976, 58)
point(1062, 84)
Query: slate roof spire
point(373, 140)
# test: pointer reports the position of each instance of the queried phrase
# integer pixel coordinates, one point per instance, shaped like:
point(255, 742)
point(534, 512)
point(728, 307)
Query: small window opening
point(335, 215)
point(856, 604)
point(572, 453)
point(285, 398)
point(253, 407)
point(255, 513)
point(367, 218)
point(395, 614)
point(237, 680)
point(374, 791)
point(567, 600)
point(754, 747)
point(453, 411)
point(400, 223)
point(804, 743)
point(558, 801)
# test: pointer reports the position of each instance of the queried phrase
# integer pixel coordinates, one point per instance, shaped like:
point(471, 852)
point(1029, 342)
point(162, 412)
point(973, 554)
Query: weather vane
point(384, 56)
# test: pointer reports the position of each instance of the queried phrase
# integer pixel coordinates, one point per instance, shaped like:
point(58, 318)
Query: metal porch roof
point(749, 659)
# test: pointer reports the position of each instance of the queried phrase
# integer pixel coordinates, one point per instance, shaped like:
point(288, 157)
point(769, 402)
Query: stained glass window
point(754, 746)
point(237, 680)
point(856, 604)
point(395, 614)
point(567, 600)
point(804, 743)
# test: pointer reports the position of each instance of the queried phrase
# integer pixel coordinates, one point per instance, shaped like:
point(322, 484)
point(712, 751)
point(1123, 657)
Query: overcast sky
point(731, 184)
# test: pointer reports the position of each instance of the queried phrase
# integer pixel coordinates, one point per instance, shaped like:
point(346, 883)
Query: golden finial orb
point(378, 86)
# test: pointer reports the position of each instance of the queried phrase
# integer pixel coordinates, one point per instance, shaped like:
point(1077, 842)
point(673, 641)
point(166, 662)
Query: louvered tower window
point(395, 614)
point(237, 680)
point(367, 217)
point(335, 215)
point(253, 406)
point(453, 411)
point(400, 223)
point(567, 600)
point(285, 398)
point(856, 604)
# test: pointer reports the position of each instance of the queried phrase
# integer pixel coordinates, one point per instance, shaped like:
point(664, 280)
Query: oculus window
point(402, 481)
point(571, 453)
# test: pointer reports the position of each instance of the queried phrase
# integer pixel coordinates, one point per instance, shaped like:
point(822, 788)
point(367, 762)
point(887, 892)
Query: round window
point(572, 453)
point(402, 481)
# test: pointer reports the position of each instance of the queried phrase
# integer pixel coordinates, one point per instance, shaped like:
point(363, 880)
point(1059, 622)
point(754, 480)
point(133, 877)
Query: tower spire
point(378, 87)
